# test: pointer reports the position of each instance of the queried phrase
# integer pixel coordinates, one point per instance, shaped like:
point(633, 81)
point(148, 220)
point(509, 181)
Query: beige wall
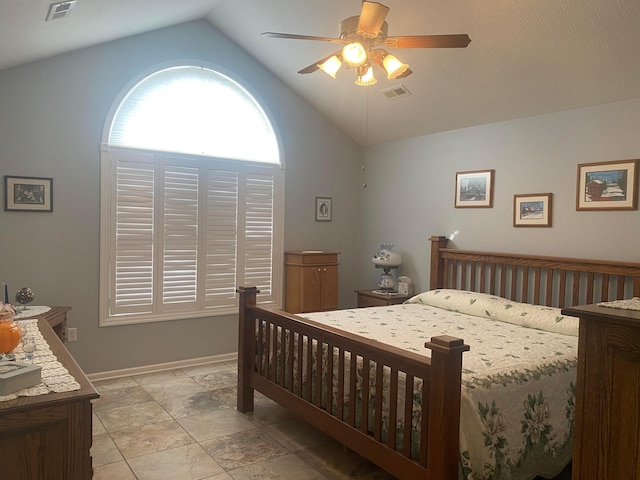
point(52, 115)
point(411, 186)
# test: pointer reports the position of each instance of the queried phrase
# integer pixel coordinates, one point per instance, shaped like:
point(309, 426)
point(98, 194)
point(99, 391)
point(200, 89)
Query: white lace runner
point(629, 304)
point(55, 377)
point(34, 311)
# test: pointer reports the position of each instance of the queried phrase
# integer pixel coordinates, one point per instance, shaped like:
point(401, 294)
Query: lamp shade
point(331, 66)
point(354, 54)
point(386, 257)
point(366, 78)
point(393, 66)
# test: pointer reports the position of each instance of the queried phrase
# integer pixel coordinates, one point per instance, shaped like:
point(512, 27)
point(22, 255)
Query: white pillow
point(484, 305)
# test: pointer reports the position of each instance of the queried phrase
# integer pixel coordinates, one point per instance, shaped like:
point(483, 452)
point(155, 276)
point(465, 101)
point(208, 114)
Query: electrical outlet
point(72, 334)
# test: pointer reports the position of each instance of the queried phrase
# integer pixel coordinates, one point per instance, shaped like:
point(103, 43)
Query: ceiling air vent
point(60, 9)
point(396, 92)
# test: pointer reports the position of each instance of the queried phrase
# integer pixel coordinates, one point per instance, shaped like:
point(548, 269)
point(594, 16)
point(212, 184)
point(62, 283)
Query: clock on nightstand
point(374, 298)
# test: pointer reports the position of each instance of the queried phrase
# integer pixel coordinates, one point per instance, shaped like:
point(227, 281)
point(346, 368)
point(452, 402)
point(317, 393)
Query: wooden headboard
point(552, 281)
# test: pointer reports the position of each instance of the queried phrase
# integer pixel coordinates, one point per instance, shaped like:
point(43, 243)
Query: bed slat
point(540, 280)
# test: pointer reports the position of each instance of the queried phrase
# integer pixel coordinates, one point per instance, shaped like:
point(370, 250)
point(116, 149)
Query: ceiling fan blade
point(429, 41)
point(314, 66)
point(371, 19)
point(293, 36)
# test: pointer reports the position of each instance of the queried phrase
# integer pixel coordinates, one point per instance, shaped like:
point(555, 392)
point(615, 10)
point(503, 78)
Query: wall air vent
point(60, 9)
point(395, 92)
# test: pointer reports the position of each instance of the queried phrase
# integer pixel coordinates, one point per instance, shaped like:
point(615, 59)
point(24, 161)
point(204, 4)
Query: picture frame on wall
point(607, 185)
point(532, 210)
point(474, 189)
point(28, 194)
point(323, 209)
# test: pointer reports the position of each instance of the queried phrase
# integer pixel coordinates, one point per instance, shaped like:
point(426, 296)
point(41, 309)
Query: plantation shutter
point(132, 265)
point(187, 234)
point(222, 238)
point(179, 232)
point(258, 231)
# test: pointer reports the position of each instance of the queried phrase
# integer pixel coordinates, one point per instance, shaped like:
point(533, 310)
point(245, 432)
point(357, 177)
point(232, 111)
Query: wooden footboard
point(320, 373)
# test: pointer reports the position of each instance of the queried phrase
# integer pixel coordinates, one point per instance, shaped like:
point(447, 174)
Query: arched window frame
point(205, 290)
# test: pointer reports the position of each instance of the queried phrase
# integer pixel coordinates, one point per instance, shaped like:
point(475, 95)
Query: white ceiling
point(526, 57)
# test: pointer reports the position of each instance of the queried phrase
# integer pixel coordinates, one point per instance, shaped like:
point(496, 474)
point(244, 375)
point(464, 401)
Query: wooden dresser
point(57, 319)
point(48, 436)
point(607, 431)
point(311, 281)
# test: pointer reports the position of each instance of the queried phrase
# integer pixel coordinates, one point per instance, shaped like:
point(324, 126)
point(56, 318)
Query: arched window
point(192, 199)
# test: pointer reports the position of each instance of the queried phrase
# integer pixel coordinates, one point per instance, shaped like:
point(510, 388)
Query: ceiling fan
point(362, 36)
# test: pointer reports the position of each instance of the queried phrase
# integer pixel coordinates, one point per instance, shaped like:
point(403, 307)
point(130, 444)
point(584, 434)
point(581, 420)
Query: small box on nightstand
point(16, 376)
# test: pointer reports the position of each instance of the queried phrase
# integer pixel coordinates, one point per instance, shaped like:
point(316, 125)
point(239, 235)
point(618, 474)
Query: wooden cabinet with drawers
point(49, 436)
point(311, 281)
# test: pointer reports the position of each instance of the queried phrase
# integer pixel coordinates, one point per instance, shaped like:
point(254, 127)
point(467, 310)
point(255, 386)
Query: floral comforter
point(518, 380)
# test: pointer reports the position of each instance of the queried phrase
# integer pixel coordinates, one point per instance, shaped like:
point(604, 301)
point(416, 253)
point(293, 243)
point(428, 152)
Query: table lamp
point(386, 259)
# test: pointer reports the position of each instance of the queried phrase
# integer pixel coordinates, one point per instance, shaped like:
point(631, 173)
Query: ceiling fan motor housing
point(349, 30)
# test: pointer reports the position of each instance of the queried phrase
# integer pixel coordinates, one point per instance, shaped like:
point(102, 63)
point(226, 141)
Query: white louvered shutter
point(133, 236)
point(179, 233)
point(188, 232)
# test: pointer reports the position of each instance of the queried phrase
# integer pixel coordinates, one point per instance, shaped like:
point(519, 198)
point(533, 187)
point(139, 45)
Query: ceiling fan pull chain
point(366, 141)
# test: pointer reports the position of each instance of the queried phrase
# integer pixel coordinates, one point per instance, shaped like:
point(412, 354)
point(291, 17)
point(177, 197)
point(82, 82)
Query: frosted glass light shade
point(394, 67)
point(331, 66)
point(354, 54)
point(367, 78)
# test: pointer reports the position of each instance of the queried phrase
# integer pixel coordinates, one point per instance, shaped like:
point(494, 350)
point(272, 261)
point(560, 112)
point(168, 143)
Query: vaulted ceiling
point(526, 57)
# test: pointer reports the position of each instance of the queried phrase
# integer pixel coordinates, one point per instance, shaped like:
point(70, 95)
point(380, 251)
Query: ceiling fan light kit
point(361, 35)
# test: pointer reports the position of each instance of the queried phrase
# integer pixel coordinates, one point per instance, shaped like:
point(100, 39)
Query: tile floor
point(182, 425)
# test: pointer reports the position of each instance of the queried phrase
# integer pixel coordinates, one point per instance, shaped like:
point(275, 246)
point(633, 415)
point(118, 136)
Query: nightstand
point(369, 298)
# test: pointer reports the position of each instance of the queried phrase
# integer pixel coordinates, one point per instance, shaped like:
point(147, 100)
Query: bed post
point(246, 348)
point(443, 438)
point(437, 264)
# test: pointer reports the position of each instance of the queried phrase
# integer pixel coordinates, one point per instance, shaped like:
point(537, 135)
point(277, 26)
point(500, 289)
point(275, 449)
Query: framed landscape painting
point(474, 189)
point(607, 186)
point(532, 210)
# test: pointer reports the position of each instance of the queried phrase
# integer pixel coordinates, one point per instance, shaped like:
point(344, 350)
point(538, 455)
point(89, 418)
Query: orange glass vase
point(9, 333)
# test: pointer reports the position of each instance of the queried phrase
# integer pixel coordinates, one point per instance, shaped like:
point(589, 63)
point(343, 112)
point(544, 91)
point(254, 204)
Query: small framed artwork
point(607, 186)
point(532, 210)
point(29, 194)
point(323, 209)
point(474, 189)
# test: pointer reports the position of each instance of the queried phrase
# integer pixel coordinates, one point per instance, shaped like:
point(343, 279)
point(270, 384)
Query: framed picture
point(323, 209)
point(474, 189)
point(30, 194)
point(607, 186)
point(532, 210)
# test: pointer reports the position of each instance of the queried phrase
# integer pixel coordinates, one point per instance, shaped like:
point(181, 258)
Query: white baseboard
point(159, 367)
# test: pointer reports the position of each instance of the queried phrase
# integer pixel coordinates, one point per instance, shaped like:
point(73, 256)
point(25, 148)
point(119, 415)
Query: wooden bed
point(269, 338)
